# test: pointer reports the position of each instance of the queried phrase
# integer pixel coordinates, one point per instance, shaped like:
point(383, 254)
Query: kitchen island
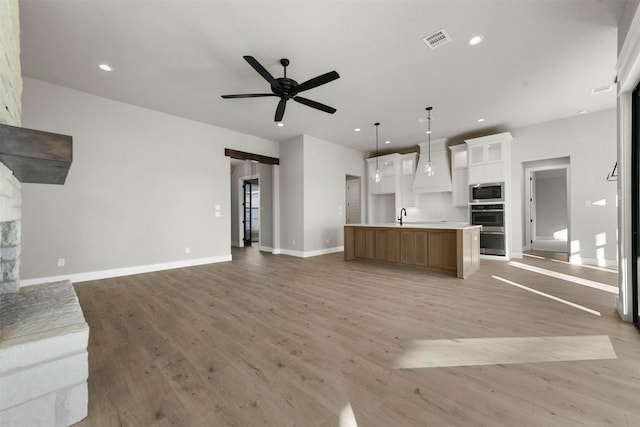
point(447, 247)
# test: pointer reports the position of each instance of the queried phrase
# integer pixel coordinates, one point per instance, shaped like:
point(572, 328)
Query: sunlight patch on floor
point(493, 351)
point(546, 295)
point(347, 417)
point(567, 277)
point(533, 256)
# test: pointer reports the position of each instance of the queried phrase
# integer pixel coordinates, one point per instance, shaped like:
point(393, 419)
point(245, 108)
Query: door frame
point(528, 176)
point(635, 205)
point(240, 230)
point(358, 179)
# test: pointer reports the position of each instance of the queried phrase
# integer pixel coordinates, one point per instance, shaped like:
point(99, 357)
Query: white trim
point(628, 68)
point(325, 251)
point(628, 65)
point(624, 302)
point(126, 271)
point(265, 249)
point(289, 252)
point(308, 254)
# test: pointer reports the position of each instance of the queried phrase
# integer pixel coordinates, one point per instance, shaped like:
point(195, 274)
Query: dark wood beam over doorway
point(234, 154)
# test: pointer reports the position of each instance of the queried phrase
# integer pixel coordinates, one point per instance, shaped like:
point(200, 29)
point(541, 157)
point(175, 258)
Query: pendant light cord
point(429, 130)
point(377, 168)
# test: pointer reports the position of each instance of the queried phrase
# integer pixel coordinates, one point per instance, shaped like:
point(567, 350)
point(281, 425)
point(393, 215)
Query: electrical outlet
point(60, 262)
point(187, 250)
point(293, 242)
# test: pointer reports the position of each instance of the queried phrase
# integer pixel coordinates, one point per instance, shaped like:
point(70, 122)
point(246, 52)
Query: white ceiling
point(539, 61)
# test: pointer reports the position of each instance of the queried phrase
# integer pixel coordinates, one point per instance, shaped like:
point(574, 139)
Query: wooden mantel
point(35, 156)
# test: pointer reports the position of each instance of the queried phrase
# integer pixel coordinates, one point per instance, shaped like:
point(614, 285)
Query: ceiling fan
point(286, 88)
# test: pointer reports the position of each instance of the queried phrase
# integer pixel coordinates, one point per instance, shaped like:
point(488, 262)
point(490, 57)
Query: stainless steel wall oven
point(491, 218)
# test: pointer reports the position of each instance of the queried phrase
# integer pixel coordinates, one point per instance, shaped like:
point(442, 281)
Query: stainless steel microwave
point(479, 193)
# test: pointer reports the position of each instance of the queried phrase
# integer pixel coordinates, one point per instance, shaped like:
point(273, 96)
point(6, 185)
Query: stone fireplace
point(9, 256)
point(43, 334)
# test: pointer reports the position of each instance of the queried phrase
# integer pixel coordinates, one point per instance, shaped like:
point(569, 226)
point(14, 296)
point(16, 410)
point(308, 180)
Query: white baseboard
point(126, 271)
point(308, 254)
point(265, 249)
point(324, 251)
point(516, 255)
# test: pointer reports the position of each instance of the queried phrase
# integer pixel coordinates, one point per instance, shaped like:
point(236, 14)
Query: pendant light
point(429, 168)
point(378, 175)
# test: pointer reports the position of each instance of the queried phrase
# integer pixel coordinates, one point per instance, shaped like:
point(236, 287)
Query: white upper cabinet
point(488, 158)
point(459, 175)
point(389, 166)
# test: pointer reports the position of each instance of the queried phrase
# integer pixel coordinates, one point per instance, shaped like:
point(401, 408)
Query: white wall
point(143, 186)
point(326, 166)
point(292, 195)
point(590, 142)
point(551, 202)
point(313, 173)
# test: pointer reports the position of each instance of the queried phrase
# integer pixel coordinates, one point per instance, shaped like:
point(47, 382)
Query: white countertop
point(430, 225)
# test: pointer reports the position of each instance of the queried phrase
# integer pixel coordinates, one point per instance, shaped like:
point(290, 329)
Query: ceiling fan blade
point(261, 70)
point(315, 104)
point(248, 95)
point(280, 110)
point(317, 81)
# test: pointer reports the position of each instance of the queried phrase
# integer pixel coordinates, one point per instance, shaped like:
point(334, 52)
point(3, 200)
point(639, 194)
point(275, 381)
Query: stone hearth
point(43, 357)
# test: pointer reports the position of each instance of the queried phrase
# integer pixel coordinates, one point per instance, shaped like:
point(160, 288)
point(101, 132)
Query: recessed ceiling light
point(582, 112)
point(481, 120)
point(356, 130)
point(105, 67)
point(280, 124)
point(428, 132)
point(387, 142)
point(476, 40)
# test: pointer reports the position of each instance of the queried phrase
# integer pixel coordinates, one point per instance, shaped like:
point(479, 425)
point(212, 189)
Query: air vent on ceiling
point(600, 89)
point(437, 39)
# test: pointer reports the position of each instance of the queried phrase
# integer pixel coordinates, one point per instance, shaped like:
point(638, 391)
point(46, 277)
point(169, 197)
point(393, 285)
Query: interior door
point(248, 211)
point(353, 201)
point(532, 210)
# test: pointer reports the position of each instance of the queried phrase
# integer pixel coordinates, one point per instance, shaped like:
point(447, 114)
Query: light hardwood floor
point(280, 341)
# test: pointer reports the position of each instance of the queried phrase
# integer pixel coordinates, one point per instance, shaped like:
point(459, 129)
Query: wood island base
point(454, 250)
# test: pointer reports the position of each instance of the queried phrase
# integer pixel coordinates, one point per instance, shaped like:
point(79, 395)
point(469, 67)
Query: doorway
point(547, 226)
point(251, 211)
point(353, 200)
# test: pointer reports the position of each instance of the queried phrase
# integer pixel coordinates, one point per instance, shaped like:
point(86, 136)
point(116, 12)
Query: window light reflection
point(561, 235)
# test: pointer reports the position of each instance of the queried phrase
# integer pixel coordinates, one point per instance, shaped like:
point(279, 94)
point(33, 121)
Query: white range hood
point(441, 180)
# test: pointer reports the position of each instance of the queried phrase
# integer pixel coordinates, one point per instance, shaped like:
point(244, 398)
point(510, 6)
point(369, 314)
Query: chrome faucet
point(405, 214)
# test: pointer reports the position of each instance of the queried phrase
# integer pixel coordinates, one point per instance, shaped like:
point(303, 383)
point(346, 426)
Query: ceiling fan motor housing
point(286, 87)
